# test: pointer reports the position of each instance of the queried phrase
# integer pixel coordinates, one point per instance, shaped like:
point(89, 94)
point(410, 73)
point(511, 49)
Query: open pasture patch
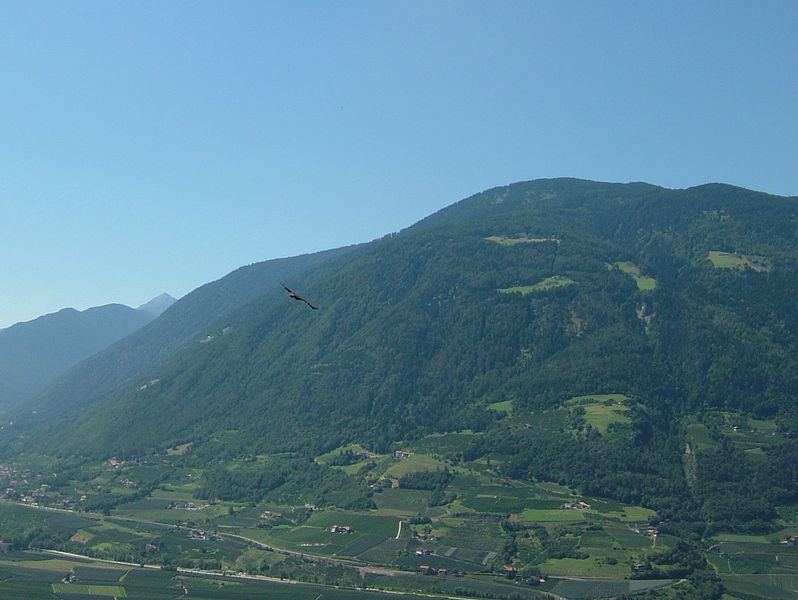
point(741, 262)
point(523, 239)
point(644, 282)
point(323, 459)
point(552, 515)
point(416, 462)
point(601, 410)
point(506, 407)
point(549, 283)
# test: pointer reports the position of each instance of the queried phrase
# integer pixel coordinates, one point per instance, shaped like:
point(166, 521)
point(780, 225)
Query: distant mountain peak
point(158, 304)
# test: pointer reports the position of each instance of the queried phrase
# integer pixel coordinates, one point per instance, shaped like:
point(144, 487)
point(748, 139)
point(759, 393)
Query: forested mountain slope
point(35, 352)
point(183, 319)
point(538, 293)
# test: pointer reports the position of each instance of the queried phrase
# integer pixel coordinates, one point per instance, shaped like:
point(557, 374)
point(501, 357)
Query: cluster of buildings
point(187, 505)
point(201, 534)
point(581, 505)
point(341, 529)
point(270, 514)
point(428, 570)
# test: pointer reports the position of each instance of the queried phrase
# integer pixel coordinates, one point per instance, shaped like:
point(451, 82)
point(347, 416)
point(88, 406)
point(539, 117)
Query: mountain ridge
point(128, 357)
point(553, 207)
point(35, 352)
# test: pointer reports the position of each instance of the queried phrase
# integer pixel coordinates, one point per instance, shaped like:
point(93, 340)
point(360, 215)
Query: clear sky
point(156, 146)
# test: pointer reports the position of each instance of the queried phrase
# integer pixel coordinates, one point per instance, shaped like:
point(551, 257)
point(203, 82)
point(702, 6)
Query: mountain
point(552, 299)
point(34, 353)
point(158, 304)
point(153, 343)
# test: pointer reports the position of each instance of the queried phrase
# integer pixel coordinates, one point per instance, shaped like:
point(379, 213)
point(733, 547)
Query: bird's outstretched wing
point(295, 296)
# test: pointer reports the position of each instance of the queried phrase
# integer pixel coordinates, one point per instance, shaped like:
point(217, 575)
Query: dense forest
point(535, 293)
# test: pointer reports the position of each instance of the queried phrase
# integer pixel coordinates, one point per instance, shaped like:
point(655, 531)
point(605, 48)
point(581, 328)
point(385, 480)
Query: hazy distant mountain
point(33, 353)
point(158, 304)
point(153, 343)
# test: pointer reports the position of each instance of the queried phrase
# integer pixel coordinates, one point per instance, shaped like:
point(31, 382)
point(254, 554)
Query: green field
point(601, 410)
point(550, 283)
point(644, 282)
point(416, 462)
point(325, 458)
point(729, 260)
point(506, 407)
point(552, 515)
point(506, 241)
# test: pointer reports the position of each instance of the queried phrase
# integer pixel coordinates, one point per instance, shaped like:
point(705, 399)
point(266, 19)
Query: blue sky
point(156, 146)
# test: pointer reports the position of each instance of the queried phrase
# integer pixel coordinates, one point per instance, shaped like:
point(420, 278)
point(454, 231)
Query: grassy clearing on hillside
point(416, 462)
point(644, 282)
point(550, 283)
point(601, 410)
point(506, 407)
point(728, 260)
point(552, 515)
point(505, 241)
point(325, 458)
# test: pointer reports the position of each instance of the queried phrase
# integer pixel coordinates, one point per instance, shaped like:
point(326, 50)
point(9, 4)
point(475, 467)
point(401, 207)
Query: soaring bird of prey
point(295, 296)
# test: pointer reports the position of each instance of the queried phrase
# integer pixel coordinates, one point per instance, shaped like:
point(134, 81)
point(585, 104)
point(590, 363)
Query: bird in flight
point(295, 296)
